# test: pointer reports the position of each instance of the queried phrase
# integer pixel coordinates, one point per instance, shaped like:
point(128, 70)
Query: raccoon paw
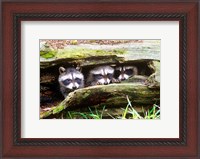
point(98, 83)
point(95, 83)
point(116, 80)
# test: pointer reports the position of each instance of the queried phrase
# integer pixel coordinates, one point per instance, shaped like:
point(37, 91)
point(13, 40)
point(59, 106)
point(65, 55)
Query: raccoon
point(70, 79)
point(125, 72)
point(101, 75)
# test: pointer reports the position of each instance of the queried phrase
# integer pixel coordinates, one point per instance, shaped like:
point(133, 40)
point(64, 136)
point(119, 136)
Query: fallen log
point(111, 96)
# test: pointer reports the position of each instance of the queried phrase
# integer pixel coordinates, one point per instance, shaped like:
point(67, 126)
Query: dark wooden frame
point(187, 145)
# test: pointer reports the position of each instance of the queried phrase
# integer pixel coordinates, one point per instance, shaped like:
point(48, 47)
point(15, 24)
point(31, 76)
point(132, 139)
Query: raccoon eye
point(78, 80)
point(67, 81)
point(110, 75)
point(129, 72)
point(98, 76)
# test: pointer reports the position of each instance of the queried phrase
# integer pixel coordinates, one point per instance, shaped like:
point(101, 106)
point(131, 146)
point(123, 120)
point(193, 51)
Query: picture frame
point(187, 145)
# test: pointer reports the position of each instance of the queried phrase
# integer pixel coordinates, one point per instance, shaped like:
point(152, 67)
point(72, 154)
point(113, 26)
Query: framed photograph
point(100, 79)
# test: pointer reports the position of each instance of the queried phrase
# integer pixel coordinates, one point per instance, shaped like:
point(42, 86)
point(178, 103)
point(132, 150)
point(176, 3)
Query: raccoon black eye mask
point(68, 81)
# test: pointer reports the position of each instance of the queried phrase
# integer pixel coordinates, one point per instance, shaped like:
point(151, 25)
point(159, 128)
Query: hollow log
point(113, 95)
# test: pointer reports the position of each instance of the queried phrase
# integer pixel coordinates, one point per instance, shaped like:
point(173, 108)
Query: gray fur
point(100, 75)
point(70, 79)
point(125, 72)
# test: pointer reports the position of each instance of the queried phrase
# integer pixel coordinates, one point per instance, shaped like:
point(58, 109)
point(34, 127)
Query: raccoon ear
point(78, 68)
point(61, 70)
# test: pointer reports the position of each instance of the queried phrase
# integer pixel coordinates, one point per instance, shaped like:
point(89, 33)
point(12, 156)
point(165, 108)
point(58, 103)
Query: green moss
point(84, 53)
point(58, 109)
point(120, 100)
point(119, 51)
point(85, 95)
point(47, 55)
point(78, 53)
point(45, 114)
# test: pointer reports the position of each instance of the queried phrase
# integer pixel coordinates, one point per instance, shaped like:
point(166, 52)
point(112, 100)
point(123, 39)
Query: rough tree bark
point(113, 95)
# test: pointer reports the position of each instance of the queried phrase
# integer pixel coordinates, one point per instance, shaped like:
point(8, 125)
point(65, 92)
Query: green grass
point(127, 113)
point(153, 113)
point(91, 114)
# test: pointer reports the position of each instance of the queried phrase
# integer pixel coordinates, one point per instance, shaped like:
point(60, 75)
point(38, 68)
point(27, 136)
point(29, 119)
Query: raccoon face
point(69, 80)
point(101, 75)
point(125, 72)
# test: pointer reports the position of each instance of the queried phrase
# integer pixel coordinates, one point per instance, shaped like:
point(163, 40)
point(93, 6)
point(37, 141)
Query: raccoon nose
point(105, 83)
point(123, 78)
point(74, 87)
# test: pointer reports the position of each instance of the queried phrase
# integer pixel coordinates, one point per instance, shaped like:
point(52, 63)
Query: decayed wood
point(94, 60)
point(113, 95)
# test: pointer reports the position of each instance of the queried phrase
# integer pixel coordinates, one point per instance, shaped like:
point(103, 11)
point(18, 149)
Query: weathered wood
point(153, 80)
point(113, 95)
point(88, 54)
point(89, 61)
